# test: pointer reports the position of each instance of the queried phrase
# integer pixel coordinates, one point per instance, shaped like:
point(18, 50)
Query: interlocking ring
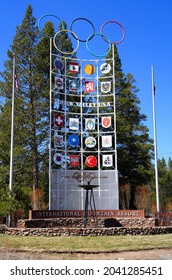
point(107, 40)
point(39, 21)
point(88, 177)
point(66, 30)
point(123, 31)
point(88, 22)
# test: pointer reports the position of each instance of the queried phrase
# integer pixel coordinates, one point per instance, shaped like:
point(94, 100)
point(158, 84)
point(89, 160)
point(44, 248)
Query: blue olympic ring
point(39, 21)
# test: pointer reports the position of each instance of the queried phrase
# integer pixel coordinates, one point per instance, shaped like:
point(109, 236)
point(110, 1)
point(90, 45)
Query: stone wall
point(78, 222)
point(75, 227)
point(86, 231)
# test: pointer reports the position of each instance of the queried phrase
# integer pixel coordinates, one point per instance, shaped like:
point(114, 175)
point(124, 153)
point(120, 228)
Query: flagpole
point(50, 125)
point(12, 138)
point(12, 129)
point(155, 142)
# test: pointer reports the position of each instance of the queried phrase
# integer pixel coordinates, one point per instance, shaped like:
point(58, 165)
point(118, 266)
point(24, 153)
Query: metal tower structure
point(82, 127)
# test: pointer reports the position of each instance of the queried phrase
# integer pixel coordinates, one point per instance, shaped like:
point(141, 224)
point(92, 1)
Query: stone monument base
point(79, 223)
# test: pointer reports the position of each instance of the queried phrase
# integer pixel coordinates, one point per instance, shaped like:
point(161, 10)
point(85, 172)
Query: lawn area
point(85, 243)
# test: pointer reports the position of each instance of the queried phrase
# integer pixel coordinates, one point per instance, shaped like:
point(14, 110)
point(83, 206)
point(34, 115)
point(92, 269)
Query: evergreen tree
point(134, 147)
point(165, 183)
point(31, 121)
point(31, 115)
point(169, 177)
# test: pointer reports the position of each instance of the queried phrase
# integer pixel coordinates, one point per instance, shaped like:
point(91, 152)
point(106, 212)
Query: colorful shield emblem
point(74, 123)
point(59, 120)
point(91, 161)
point(73, 140)
point(89, 69)
point(90, 124)
point(74, 160)
point(73, 85)
point(106, 122)
point(90, 142)
point(58, 158)
point(58, 141)
point(74, 67)
point(58, 64)
point(105, 86)
point(58, 83)
point(105, 68)
point(89, 86)
point(107, 160)
point(107, 141)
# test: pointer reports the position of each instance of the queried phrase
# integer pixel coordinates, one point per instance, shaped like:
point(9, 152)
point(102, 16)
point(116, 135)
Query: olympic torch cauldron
point(89, 198)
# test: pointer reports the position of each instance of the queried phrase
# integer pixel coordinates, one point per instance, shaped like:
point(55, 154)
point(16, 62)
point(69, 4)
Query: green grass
point(85, 243)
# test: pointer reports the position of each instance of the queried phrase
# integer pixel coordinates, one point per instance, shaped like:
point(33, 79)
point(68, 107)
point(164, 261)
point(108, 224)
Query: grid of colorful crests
point(83, 114)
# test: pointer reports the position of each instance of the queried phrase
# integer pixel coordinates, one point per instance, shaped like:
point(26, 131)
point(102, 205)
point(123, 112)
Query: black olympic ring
point(90, 37)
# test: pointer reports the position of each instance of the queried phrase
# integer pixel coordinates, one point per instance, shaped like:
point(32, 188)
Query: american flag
point(154, 89)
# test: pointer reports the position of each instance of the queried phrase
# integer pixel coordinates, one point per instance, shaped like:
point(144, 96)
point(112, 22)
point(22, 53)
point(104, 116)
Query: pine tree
point(165, 183)
point(134, 147)
point(30, 104)
point(31, 121)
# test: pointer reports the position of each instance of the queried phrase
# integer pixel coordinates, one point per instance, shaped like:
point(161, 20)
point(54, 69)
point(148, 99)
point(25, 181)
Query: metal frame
point(80, 96)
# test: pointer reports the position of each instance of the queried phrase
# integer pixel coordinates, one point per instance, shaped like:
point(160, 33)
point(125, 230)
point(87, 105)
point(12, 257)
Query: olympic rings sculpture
point(105, 38)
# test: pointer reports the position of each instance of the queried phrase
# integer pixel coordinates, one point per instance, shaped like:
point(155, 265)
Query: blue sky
point(148, 42)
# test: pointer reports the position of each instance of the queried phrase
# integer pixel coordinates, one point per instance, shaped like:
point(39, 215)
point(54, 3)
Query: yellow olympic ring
point(66, 30)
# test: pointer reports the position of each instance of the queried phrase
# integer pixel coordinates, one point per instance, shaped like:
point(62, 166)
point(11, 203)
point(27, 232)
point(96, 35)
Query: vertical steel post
point(115, 133)
point(12, 129)
point(50, 125)
point(155, 141)
point(12, 138)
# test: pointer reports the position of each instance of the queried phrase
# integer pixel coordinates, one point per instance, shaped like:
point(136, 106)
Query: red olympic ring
point(123, 31)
